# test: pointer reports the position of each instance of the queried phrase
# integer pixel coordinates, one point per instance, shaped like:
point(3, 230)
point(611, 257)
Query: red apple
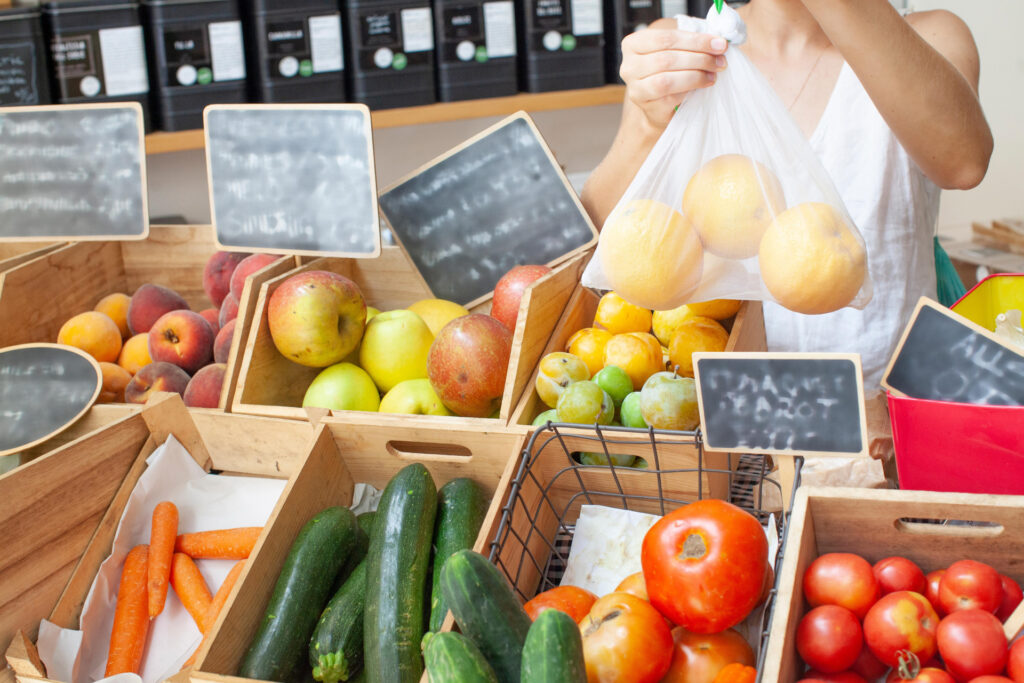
point(468, 362)
point(182, 338)
point(316, 318)
point(509, 292)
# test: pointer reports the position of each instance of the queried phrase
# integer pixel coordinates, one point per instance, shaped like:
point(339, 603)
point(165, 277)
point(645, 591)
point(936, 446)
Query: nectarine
point(183, 338)
point(148, 303)
point(248, 266)
point(222, 342)
point(217, 274)
point(203, 390)
point(155, 377)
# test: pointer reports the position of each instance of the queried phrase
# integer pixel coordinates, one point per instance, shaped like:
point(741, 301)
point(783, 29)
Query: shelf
point(161, 142)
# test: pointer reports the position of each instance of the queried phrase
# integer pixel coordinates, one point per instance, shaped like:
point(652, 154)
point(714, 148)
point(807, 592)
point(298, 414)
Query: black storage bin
point(390, 48)
point(23, 72)
point(476, 49)
point(561, 44)
point(196, 58)
point(295, 51)
point(622, 17)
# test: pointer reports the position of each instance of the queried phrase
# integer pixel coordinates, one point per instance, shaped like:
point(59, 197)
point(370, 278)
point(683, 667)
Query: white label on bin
point(124, 60)
point(325, 43)
point(672, 8)
point(226, 52)
point(587, 17)
point(90, 86)
point(500, 29)
point(417, 30)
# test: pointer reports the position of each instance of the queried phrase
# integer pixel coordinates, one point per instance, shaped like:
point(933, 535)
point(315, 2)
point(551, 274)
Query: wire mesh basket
point(668, 469)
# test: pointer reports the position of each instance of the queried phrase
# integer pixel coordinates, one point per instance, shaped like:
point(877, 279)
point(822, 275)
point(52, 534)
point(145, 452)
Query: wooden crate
point(880, 523)
point(60, 512)
point(269, 384)
point(15, 253)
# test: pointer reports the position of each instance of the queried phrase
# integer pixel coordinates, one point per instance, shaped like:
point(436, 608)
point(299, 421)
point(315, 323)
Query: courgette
point(453, 658)
point(553, 652)
point(461, 507)
point(336, 649)
point(299, 596)
point(359, 552)
point(396, 577)
point(487, 611)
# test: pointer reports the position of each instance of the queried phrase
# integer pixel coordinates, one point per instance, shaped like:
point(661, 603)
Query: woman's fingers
point(645, 65)
point(668, 84)
point(661, 39)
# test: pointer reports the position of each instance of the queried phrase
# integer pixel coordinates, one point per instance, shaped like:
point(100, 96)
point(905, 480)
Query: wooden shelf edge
point(163, 142)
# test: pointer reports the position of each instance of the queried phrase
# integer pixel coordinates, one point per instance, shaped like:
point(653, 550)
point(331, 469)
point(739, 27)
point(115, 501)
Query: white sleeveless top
point(895, 207)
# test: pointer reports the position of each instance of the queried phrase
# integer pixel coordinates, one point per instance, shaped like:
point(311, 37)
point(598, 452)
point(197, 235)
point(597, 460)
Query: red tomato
point(972, 644)
point(704, 565)
point(926, 675)
point(769, 584)
point(868, 666)
point(841, 677)
point(634, 585)
point(933, 579)
point(1012, 597)
point(574, 601)
point(699, 657)
point(901, 621)
point(899, 574)
point(841, 579)
point(625, 640)
point(1015, 661)
point(736, 673)
point(970, 585)
point(991, 679)
point(829, 638)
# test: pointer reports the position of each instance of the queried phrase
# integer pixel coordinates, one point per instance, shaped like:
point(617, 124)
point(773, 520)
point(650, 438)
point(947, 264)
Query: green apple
point(544, 418)
point(630, 412)
point(354, 356)
point(615, 381)
point(596, 459)
point(395, 348)
point(342, 386)
point(585, 403)
point(668, 401)
point(413, 397)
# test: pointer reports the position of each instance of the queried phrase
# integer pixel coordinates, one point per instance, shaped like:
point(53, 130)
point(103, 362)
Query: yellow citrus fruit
point(437, 313)
point(811, 260)
point(731, 201)
point(618, 316)
point(635, 354)
point(557, 371)
point(589, 344)
point(695, 334)
point(717, 309)
point(651, 255)
point(116, 306)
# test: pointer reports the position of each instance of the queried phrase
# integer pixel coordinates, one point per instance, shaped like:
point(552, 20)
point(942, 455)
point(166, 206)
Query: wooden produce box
point(271, 385)
point(60, 512)
point(880, 523)
point(15, 253)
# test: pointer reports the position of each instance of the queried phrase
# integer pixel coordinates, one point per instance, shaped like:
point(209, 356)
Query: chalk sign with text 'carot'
point(297, 179)
point(946, 357)
point(496, 201)
point(73, 172)
point(44, 388)
point(788, 403)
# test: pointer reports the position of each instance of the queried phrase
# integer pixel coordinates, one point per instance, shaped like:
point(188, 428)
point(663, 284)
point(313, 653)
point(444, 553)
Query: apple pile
point(151, 341)
point(432, 358)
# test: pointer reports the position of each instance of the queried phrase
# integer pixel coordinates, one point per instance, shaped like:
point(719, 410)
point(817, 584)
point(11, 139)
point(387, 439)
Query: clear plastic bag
point(732, 203)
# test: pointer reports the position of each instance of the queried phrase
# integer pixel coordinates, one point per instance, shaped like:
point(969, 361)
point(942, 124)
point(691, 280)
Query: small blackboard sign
point(788, 403)
point(73, 172)
point(18, 77)
point(295, 179)
point(946, 357)
point(44, 389)
point(496, 201)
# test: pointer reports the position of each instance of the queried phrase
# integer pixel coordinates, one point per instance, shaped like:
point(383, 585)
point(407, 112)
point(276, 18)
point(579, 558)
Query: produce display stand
point(925, 527)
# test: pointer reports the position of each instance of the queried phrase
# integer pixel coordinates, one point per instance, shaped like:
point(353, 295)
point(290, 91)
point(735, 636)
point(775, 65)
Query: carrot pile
point(168, 560)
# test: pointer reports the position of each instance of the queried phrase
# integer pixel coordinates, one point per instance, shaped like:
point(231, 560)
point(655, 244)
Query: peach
point(149, 303)
point(217, 274)
point(93, 332)
point(183, 338)
point(203, 390)
point(135, 353)
point(228, 310)
point(212, 316)
point(116, 306)
point(153, 378)
point(248, 266)
point(115, 379)
point(222, 344)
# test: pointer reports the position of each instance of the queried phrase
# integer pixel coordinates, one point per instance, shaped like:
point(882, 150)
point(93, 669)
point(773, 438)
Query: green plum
point(600, 459)
point(544, 418)
point(630, 411)
point(668, 401)
point(615, 381)
point(585, 403)
point(556, 372)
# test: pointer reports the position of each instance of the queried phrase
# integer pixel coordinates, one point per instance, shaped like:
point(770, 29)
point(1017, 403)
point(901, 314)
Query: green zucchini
point(366, 522)
point(487, 611)
point(461, 507)
point(396, 577)
point(359, 552)
point(299, 596)
point(554, 650)
point(336, 649)
point(453, 658)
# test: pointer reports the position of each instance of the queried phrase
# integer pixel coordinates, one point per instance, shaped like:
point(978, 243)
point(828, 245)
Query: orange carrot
point(161, 550)
point(191, 588)
point(222, 544)
point(217, 605)
point(131, 618)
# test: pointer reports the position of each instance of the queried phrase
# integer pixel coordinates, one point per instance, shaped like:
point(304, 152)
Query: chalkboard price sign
point(18, 74)
point(787, 403)
point(497, 201)
point(293, 178)
point(945, 357)
point(73, 172)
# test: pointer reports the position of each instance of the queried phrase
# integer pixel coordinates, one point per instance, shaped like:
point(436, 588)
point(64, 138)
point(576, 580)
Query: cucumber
point(396, 577)
point(359, 552)
point(453, 658)
point(299, 596)
point(487, 611)
point(461, 507)
point(366, 522)
point(554, 650)
point(336, 649)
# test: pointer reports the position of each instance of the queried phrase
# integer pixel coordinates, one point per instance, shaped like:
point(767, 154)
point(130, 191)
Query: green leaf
point(718, 6)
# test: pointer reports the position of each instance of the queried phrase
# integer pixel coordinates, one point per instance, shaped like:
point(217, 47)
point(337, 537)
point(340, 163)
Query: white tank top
point(895, 207)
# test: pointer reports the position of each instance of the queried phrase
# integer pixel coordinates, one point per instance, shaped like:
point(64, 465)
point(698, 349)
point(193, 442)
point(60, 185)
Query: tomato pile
point(891, 620)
